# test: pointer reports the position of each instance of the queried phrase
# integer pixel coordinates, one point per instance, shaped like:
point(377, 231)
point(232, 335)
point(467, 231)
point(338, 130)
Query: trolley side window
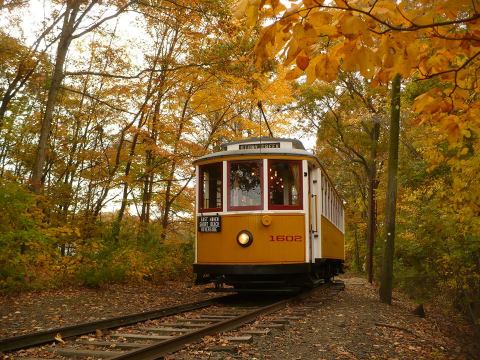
point(284, 185)
point(211, 181)
point(245, 185)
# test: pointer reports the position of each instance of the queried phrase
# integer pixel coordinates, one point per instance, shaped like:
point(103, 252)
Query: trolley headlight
point(244, 238)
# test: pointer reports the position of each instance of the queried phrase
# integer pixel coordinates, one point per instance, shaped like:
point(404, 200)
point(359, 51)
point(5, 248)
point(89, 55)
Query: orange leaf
point(302, 61)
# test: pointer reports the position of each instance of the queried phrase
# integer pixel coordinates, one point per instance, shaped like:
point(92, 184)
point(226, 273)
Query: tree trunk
point(141, 123)
point(18, 82)
point(168, 192)
point(71, 21)
point(57, 77)
point(358, 267)
point(372, 186)
point(128, 167)
point(149, 171)
point(391, 200)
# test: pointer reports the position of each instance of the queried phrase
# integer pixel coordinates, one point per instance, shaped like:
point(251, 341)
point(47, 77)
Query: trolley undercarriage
point(280, 277)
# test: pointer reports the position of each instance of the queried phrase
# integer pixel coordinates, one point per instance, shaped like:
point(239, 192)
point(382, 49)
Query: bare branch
point(97, 99)
point(139, 74)
point(94, 26)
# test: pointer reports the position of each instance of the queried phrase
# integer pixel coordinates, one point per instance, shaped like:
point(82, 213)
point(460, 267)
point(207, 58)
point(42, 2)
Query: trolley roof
point(260, 146)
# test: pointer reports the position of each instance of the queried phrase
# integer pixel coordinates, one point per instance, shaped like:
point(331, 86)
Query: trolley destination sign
point(209, 223)
point(275, 145)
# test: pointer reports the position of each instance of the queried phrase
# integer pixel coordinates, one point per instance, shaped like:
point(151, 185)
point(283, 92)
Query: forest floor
point(353, 324)
point(40, 310)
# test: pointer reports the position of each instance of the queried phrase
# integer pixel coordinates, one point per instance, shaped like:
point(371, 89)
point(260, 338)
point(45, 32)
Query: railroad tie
point(219, 317)
point(141, 336)
point(219, 348)
point(256, 332)
point(299, 313)
point(122, 345)
point(192, 326)
point(166, 329)
point(90, 353)
point(203, 320)
point(246, 338)
point(271, 326)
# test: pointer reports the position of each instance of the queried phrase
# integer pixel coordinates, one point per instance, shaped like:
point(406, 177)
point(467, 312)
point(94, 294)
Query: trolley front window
point(284, 185)
point(211, 187)
point(245, 185)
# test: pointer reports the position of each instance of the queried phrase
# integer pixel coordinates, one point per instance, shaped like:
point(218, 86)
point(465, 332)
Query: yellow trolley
point(267, 217)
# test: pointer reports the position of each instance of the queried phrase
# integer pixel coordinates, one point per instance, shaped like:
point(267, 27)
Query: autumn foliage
point(378, 39)
point(99, 124)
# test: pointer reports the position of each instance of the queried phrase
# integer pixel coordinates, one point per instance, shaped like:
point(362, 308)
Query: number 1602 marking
point(285, 238)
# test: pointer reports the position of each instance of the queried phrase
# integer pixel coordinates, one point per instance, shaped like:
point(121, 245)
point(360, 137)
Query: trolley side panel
point(332, 241)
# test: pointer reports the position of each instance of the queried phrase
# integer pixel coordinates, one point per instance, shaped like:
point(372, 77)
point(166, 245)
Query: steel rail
point(42, 337)
point(157, 350)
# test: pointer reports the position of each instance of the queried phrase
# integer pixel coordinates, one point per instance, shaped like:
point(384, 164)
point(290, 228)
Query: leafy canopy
point(379, 39)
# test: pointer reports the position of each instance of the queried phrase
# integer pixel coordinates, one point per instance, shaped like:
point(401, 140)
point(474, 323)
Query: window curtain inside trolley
point(245, 185)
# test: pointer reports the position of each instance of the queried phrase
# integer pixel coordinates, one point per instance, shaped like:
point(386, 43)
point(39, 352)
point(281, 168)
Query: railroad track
point(157, 333)
point(46, 336)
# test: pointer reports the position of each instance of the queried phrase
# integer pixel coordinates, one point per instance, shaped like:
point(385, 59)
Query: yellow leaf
point(312, 3)
point(366, 60)
point(293, 74)
point(384, 7)
point(298, 32)
point(293, 51)
point(326, 30)
point(352, 25)
point(347, 53)
point(291, 14)
point(240, 9)
point(320, 18)
point(413, 48)
point(451, 126)
point(264, 45)
point(58, 337)
point(326, 68)
point(424, 19)
point(431, 102)
point(311, 75)
point(268, 35)
point(252, 12)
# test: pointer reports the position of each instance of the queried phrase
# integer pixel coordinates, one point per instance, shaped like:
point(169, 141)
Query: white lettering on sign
point(259, 146)
point(209, 223)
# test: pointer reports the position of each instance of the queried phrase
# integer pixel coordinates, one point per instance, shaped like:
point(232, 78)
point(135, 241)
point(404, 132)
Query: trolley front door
point(314, 186)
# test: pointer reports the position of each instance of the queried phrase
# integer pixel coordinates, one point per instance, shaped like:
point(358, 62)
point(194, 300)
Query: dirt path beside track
point(355, 325)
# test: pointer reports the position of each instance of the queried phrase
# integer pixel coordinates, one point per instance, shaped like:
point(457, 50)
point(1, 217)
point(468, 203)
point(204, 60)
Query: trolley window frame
point(300, 183)
point(229, 187)
point(201, 195)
